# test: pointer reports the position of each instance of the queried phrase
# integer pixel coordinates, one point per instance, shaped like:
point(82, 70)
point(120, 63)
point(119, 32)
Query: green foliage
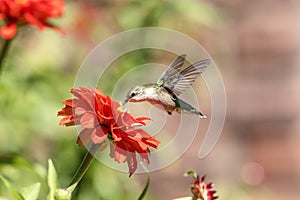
point(15, 194)
point(52, 180)
point(31, 192)
point(26, 193)
point(167, 13)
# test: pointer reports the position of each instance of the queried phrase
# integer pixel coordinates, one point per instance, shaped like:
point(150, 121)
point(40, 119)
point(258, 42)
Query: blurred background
point(254, 43)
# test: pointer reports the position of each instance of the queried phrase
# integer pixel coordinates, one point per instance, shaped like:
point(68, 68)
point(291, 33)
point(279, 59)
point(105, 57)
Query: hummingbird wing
point(179, 80)
point(174, 68)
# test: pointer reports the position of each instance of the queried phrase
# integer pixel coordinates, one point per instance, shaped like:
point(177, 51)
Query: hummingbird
point(174, 80)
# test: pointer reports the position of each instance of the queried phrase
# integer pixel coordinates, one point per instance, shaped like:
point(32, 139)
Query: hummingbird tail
point(188, 108)
point(194, 111)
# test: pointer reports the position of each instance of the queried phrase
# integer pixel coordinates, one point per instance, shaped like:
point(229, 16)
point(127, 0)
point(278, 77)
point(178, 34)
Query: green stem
point(143, 194)
point(82, 169)
point(4, 51)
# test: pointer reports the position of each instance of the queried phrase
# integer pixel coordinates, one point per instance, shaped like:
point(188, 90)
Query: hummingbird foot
point(170, 113)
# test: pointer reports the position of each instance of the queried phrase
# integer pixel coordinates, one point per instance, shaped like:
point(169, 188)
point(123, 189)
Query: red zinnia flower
point(101, 121)
point(35, 12)
point(201, 190)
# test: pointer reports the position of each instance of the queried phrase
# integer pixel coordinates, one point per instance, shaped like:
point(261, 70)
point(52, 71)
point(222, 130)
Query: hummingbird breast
point(160, 98)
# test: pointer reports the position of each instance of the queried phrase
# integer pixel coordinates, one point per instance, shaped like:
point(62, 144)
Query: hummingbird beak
point(125, 101)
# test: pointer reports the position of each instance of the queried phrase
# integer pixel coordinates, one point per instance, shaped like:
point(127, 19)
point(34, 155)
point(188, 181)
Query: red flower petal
point(67, 121)
point(8, 31)
point(2, 17)
point(120, 154)
point(68, 102)
point(35, 12)
point(101, 119)
point(98, 135)
point(79, 110)
point(84, 136)
point(201, 190)
point(33, 20)
point(88, 120)
point(67, 110)
point(145, 158)
point(132, 163)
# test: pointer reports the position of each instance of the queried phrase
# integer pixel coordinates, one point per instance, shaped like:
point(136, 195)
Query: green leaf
point(71, 188)
point(31, 192)
point(52, 180)
point(16, 195)
point(193, 172)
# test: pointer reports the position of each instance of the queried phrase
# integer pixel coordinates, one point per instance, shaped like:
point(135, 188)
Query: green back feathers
point(187, 107)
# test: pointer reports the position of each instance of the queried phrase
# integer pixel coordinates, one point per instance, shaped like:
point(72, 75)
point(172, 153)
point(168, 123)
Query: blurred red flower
point(21, 12)
point(102, 121)
point(201, 190)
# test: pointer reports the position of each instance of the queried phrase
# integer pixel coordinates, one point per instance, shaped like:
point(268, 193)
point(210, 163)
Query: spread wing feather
point(177, 79)
point(174, 68)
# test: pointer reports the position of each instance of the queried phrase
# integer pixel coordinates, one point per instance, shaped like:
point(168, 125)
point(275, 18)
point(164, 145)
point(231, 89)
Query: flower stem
point(4, 51)
point(83, 167)
point(143, 194)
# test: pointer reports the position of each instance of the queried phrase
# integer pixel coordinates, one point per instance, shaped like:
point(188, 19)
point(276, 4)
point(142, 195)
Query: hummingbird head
point(135, 94)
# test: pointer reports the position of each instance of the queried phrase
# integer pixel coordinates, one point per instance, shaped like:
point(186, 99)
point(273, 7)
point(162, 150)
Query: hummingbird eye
point(132, 94)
